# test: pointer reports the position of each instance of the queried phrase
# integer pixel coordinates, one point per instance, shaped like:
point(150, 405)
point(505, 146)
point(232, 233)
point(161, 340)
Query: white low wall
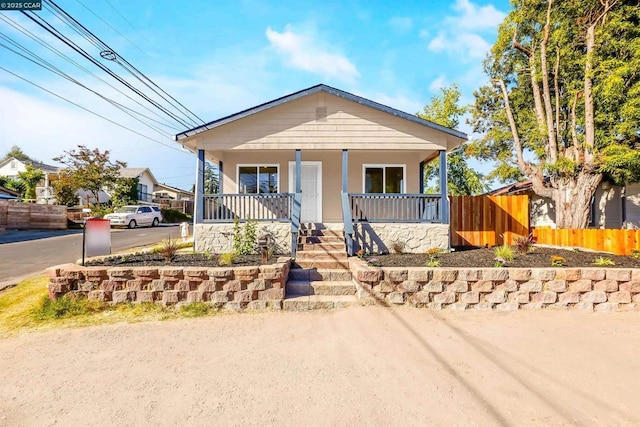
point(416, 238)
point(218, 238)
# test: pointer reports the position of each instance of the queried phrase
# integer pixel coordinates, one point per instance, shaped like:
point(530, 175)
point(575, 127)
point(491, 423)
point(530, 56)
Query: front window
point(142, 192)
point(384, 178)
point(258, 179)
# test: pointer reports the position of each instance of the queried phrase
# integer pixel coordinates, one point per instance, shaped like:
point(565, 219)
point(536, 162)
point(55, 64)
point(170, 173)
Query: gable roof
point(312, 90)
point(136, 173)
point(178, 190)
point(8, 192)
point(38, 165)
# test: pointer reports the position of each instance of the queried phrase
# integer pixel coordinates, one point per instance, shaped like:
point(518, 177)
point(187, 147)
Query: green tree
point(31, 177)
point(125, 192)
point(65, 190)
point(444, 109)
point(17, 153)
point(563, 104)
point(91, 169)
point(13, 184)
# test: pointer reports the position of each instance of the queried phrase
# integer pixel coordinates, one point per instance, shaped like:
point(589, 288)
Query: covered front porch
point(320, 191)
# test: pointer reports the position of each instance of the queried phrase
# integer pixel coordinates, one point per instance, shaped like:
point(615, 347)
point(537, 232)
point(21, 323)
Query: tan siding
point(347, 125)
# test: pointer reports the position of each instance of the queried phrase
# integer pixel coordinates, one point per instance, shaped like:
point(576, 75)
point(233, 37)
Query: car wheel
point(132, 224)
point(155, 222)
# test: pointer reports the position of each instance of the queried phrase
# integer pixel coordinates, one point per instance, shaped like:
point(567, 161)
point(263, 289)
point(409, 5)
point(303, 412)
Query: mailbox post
point(263, 244)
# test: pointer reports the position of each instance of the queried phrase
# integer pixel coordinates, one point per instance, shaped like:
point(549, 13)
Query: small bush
point(635, 253)
point(168, 250)
point(398, 247)
point(432, 263)
point(360, 253)
point(244, 238)
point(172, 215)
point(373, 262)
point(504, 252)
point(499, 262)
point(227, 258)
point(100, 211)
point(524, 244)
point(602, 261)
point(557, 261)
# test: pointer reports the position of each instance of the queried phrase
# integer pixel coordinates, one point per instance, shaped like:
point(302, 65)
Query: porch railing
point(347, 220)
point(259, 207)
point(396, 207)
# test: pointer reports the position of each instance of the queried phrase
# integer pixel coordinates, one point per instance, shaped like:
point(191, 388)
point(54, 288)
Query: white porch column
point(444, 202)
point(198, 207)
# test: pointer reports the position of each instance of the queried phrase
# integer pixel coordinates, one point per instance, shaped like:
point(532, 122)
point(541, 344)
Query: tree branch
point(546, 91)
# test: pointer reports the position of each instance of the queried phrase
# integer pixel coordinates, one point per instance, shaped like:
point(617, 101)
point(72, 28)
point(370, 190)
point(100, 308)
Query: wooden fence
point(488, 220)
point(615, 241)
point(32, 216)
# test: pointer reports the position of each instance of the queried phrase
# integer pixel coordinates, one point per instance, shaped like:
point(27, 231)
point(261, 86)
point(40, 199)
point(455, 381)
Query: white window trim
point(255, 165)
point(384, 176)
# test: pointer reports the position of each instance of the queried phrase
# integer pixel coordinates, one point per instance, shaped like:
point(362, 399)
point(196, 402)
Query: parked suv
point(133, 216)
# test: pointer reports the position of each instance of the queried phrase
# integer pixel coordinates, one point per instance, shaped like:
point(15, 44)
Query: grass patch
point(27, 307)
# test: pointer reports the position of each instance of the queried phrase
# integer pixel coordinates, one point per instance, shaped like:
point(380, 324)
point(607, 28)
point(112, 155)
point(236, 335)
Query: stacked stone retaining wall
point(233, 287)
point(499, 288)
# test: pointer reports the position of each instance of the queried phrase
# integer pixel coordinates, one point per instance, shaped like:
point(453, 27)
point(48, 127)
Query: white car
point(133, 216)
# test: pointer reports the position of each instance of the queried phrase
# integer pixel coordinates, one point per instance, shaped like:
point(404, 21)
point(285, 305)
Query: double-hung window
point(384, 178)
point(253, 179)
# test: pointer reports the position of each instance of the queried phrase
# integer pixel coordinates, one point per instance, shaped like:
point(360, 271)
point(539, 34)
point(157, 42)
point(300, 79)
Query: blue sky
point(218, 58)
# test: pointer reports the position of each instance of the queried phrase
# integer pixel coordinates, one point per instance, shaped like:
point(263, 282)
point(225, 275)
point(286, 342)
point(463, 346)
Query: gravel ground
point(362, 365)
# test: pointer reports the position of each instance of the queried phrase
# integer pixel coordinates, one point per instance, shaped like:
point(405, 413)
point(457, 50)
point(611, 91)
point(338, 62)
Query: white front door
point(311, 177)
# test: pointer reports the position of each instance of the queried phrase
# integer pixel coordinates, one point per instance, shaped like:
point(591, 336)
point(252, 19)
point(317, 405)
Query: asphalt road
point(25, 253)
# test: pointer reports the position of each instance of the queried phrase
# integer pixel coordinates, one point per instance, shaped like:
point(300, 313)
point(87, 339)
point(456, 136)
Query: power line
point(127, 21)
point(89, 111)
point(120, 60)
point(38, 40)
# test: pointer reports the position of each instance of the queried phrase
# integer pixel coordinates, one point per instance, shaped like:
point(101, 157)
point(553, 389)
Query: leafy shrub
point(557, 261)
point(373, 262)
point(635, 253)
point(196, 309)
point(244, 238)
point(602, 261)
point(172, 215)
point(100, 211)
point(504, 252)
point(524, 244)
point(227, 258)
point(360, 253)
point(432, 262)
point(499, 262)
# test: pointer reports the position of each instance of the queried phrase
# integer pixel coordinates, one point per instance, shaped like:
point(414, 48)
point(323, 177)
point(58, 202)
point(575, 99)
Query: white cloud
point(303, 52)
point(439, 83)
point(401, 24)
point(463, 34)
point(474, 17)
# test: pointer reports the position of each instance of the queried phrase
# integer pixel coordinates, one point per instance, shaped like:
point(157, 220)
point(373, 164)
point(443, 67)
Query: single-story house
point(167, 192)
point(611, 207)
point(323, 158)
point(44, 190)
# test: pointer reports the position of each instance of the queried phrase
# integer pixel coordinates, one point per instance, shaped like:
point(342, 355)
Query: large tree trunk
point(573, 200)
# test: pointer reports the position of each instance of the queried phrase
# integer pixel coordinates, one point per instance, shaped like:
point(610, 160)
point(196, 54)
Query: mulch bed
point(485, 257)
point(186, 260)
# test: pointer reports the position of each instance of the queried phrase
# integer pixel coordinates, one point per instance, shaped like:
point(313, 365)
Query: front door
point(311, 174)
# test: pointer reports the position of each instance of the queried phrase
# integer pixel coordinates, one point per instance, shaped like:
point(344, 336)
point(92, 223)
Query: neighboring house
point(146, 185)
point(44, 190)
point(167, 192)
point(323, 158)
point(611, 207)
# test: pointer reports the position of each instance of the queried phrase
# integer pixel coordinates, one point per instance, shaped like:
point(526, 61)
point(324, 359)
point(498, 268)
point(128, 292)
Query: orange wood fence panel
point(488, 220)
point(615, 241)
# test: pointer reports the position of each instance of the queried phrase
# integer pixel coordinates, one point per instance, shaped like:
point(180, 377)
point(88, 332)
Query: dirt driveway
point(363, 365)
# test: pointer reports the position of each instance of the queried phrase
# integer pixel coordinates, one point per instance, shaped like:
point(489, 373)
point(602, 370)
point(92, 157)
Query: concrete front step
point(304, 287)
point(320, 232)
point(326, 255)
point(322, 239)
point(318, 302)
point(328, 247)
point(328, 274)
point(321, 263)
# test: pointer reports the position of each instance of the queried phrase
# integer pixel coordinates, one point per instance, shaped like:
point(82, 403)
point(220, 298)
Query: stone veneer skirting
point(218, 238)
point(233, 287)
point(416, 238)
point(499, 288)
